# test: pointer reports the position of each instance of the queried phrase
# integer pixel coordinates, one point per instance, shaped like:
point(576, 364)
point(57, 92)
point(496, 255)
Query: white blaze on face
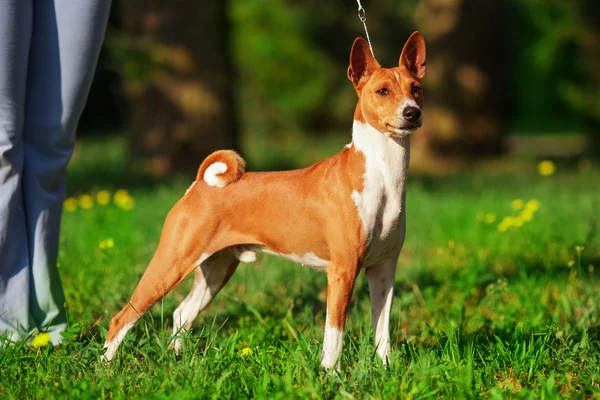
point(210, 174)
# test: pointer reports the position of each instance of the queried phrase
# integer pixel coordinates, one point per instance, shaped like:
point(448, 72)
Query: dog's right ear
point(362, 62)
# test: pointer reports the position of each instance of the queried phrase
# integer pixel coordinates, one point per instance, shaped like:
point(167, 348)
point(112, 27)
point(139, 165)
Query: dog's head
point(389, 99)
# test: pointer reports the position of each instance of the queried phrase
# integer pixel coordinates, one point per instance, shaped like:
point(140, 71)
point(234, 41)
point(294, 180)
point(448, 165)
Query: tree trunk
point(466, 90)
point(179, 79)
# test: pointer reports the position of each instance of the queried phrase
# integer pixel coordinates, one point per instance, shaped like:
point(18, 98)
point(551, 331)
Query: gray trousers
point(48, 53)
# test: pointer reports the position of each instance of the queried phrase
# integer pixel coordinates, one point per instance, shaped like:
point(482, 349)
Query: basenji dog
point(343, 214)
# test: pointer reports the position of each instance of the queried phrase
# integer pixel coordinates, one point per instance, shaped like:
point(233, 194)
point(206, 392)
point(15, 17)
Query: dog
point(343, 214)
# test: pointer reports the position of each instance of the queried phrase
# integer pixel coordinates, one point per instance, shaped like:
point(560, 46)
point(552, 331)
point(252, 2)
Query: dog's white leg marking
point(210, 174)
point(188, 310)
point(332, 347)
point(112, 346)
point(381, 289)
point(210, 278)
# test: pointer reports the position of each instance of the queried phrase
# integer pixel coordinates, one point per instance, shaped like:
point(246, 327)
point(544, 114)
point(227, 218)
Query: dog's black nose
point(411, 114)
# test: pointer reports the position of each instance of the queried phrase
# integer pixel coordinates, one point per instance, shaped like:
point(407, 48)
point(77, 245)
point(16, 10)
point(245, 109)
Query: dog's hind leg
point(210, 277)
point(176, 257)
point(160, 277)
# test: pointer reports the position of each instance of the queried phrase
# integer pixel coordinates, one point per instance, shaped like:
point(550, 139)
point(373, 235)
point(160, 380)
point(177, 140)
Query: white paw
point(176, 345)
point(111, 349)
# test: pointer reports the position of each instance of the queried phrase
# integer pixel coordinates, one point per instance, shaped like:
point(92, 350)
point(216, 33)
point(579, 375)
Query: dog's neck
point(381, 202)
point(387, 157)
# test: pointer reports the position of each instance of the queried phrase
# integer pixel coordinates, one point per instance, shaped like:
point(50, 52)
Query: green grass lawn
point(483, 308)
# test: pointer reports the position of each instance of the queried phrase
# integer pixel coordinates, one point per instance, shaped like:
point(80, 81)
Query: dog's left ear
point(362, 62)
point(413, 55)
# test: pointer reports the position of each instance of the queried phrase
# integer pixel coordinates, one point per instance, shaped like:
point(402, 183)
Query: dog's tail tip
point(221, 168)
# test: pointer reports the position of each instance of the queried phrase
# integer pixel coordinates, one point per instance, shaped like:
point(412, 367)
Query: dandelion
point(527, 214)
point(123, 199)
point(546, 168)
point(579, 249)
point(103, 197)
point(517, 204)
point(490, 218)
point(533, 205)
point(518, 222)
point(70, 204)
point(571, 263)
point(246, 351)
point(41, 340)
point(107, 244)
point(506, 223)
point(86, 201)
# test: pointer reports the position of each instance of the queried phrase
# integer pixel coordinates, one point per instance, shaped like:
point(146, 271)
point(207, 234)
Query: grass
point(478, 312)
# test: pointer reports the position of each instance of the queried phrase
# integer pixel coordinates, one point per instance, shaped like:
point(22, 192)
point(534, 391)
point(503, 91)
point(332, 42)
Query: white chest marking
point(382, 199)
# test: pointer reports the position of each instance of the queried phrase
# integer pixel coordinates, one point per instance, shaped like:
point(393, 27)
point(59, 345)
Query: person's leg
point(66, 40)
point(15, 34)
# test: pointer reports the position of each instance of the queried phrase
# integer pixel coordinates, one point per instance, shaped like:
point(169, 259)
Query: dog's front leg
point(381, 290)
point(340, 283)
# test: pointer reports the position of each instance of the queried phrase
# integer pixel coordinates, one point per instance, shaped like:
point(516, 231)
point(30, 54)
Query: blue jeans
point(48, 53)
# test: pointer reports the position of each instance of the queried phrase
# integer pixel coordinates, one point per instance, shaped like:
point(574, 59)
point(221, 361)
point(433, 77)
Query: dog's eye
point(383, 92)
point(416, 89)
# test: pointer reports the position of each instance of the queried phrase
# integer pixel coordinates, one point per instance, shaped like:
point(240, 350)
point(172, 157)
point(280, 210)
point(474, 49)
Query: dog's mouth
point(403, 130)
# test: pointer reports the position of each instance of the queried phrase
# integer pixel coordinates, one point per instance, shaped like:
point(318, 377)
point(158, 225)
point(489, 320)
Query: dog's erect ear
point(362, 62)
point(413, 55)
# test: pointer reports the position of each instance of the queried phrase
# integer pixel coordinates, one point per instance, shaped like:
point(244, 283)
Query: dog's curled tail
point(221, 168)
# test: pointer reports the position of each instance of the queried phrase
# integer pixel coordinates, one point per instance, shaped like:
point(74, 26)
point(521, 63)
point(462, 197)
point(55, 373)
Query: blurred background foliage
point(268, 77)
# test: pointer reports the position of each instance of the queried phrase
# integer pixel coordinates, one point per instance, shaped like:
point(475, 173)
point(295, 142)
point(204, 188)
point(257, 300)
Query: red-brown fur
point(302, 211)
point(259, 209)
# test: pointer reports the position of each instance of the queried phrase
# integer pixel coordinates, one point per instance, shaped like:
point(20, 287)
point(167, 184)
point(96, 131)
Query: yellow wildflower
point(121, 193)
point(506, 223)
point(546, 168)
point(70, 204)
point(527, 214)
point(490, 218)
point(571, 263)
point(41, 340)
point(246, 351)
point(123, 199)
point(103, 197)
point(86, 201)
point(107, 244)
point(518, 222)
point(517, 204)
point(127, 203)
point(533, 205)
